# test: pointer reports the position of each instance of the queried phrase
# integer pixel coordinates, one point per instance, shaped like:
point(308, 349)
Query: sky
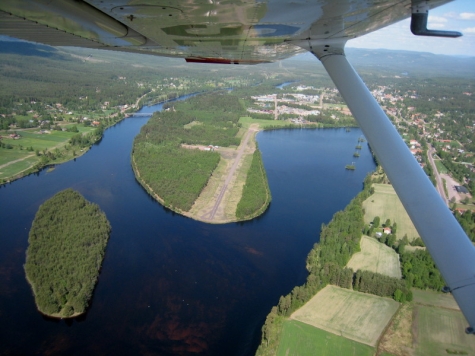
point(458, 15)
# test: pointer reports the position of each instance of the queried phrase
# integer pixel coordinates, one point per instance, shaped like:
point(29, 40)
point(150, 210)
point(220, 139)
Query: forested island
point(67, 242)
point(178, 151)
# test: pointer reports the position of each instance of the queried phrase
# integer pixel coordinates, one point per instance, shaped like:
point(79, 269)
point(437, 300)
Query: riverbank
point(218, 201)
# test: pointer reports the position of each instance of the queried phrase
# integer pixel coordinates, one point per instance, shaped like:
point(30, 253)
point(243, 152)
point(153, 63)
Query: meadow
point(376, 257)
point(303, 339)
point(386, 204)
point(357, 316)
point(22, 156)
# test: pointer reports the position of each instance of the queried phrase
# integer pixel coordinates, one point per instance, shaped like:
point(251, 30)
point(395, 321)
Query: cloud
point(470, 16)
point(438, 19)
point(467, 16)
point(469, 30)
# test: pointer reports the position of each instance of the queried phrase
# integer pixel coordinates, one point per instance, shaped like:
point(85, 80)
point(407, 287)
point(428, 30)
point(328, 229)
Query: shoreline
point(224, 187)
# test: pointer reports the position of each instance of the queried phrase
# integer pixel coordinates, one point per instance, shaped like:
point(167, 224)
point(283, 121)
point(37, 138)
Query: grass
point(440, 167)
point(302, 339)
point(435, 299)
point(40, 142)
point(357, 316)
point(386, 204)
point(246, 121)
point(376, 257)
point(441, 330)
point(17, 167)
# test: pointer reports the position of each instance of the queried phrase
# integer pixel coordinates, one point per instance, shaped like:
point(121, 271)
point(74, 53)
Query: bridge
point(141, 114)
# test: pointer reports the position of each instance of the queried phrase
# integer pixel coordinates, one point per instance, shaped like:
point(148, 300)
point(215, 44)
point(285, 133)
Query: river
point(170, 285)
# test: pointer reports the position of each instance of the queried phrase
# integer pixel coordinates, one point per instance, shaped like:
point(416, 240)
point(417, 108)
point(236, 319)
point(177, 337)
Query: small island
point(67, 242)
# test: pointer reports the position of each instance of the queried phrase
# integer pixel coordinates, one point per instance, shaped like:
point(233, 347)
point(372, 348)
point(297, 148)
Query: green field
point(434, 299)
point(440, 167)
point(386, 204)
point(246, 121)
point(354, 315)
point(441, 331)
point(31, 138)
point(302, 339)
point(376, 257)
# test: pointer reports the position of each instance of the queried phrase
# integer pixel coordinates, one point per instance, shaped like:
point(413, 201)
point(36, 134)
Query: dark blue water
point(170, 285)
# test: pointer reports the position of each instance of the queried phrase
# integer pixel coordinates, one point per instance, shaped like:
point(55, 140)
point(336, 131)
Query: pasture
point(376, 257)
point(246, 121)
point(434, 299)
point(357, 316)
point(303, 339)
point(441, 331)
point(386, 204)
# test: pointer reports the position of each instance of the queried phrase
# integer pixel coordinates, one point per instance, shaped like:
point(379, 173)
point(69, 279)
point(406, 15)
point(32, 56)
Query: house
point(387, 230)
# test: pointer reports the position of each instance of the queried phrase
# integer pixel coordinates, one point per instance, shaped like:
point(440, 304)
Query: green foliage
point(175, 174)
point(467, 221)
point(376, 222)
point(419, 270)
point(384, 286)
point(326, 264)
point(178, 175)
point(256, 193)
point(67, 242)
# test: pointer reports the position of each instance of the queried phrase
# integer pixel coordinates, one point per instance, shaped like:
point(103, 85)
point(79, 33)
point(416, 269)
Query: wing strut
point(446, 241)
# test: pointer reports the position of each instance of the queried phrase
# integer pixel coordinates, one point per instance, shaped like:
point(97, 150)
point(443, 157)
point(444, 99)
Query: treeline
point(256, 195)
point(67, 242)
point(178, 175)
point(417, 267)
point(467, 221)
point(325, 263)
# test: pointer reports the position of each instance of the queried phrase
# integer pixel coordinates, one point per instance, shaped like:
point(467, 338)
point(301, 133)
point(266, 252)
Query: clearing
point(218, 201)
point(386, 204)
point(376, 257)
point(357, 316)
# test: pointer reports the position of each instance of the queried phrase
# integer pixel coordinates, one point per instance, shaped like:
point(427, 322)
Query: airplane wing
point(223, 31)
point(255, 31)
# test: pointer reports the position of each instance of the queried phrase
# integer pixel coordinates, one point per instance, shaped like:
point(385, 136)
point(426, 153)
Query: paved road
point(438, 179)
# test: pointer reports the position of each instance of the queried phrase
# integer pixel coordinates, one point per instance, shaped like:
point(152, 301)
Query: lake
point(170, 285)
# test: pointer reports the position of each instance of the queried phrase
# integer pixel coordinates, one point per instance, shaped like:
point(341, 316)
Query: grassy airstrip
point(386, 204)
point(376, 257)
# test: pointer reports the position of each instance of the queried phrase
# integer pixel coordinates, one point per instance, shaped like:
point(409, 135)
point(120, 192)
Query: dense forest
point(67, 242)
point(256, 195)
point(176, 174)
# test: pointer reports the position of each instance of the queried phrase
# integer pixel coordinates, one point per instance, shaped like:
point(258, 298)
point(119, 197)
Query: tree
point(376, 221)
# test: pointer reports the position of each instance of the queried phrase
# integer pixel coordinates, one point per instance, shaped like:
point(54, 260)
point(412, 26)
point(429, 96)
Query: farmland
point(431, 324)
point(376, 257)
point(386, 204)
point(441, 331)
point(22, 154)
point(303, 339)
point(357, 316)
